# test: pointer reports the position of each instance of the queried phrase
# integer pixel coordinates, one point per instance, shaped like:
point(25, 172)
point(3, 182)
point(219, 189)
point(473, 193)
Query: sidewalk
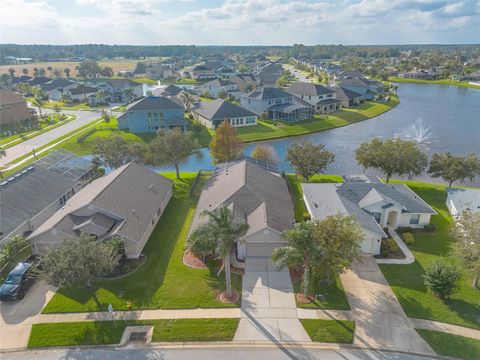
point(446, 328)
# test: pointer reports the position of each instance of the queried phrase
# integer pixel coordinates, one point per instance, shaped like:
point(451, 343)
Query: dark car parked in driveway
point(17, 282)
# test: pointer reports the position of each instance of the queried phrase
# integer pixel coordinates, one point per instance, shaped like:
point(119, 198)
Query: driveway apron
point(268, 305)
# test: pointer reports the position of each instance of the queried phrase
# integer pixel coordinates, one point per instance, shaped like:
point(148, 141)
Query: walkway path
point(268, 305)
point(26, 147)
point(380, 320)
point(409, 258)
point(446, 328)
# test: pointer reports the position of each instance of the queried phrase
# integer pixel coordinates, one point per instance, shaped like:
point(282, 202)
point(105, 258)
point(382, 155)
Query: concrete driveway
point(17, 317)
point(268, 305)
point(380, 320)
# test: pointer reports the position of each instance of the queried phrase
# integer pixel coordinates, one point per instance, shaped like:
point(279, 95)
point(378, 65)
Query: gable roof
point(252, 193)
point(172, 90)
point(400, 193)
point(55, 84)
point(306, 88)
point(80, 90)
point(219, 82)
point(154, 103)
point(131, 194)
point(38, 80)
point(220, 109)
point(344, 93)
point(267, 93)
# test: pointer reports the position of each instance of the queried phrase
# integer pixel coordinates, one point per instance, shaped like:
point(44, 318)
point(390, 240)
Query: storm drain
point(138, 336)
point(135, 335)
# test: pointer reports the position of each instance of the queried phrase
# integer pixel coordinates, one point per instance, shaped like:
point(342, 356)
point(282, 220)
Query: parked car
point(17, 282)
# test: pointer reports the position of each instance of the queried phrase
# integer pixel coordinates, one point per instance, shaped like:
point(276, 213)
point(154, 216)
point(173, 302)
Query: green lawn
point(146, 81)
point(69, 106)
point(451, 345)
point(163, 281)
point(329, 331)
point(295, 185)
point(437, 82)
point(271, 130)
point(407, 281)
point(334, 297)
point(107, 332)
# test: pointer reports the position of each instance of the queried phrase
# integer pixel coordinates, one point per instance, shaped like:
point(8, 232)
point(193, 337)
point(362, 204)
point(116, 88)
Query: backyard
point(271, 130)
point(407, 282)
point(163, 281)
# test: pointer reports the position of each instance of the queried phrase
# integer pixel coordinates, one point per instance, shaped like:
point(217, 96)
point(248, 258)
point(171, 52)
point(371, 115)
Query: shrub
point(441, 279)
point(392, 246)
point(408, 238)
point(430, 227)
point(306, 216)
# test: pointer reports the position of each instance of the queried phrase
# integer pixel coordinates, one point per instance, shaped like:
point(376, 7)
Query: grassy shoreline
point(434, 82)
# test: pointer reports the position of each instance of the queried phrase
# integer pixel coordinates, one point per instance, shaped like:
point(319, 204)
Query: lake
point(451, 116)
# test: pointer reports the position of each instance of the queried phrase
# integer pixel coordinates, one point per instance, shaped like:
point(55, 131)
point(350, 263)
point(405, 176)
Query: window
point(415, 219)
point(149, 117)
point(278, 101)
point(377, 216)
point(250, 120)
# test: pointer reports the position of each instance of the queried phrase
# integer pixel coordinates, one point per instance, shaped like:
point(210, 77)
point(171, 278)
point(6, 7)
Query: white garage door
point(367, 246)
point(262, 249)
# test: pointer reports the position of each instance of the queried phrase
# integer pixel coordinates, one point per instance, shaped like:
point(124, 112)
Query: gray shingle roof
point(220, 109)
point(344, 93)
point(173, 89)
point(304, 88)
point(80, 90)
point(268, 93)
point(56, 84)
point(255, 194)
point(328, 101)
point(154, 103)
point(219, 82)
point(400, 193)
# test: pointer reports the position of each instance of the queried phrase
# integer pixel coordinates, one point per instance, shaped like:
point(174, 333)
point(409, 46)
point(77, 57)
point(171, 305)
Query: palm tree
point(38, 102)
point(300, 251)
point(129, 93)
point(101, 95)
point(219, 234)
point(188, 100)
point(82, 85)
point(65, 98)
point(3, 153)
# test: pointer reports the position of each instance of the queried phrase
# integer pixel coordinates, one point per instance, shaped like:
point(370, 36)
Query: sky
point(240, 22)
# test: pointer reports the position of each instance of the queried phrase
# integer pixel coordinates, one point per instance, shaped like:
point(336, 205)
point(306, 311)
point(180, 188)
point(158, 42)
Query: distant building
point(245, 82)
point(54, 88)
point(217, 86)
point(127, 203)
point(151, 114)
point(269, 73)
point(32, 195)
point(13, 107)
point(213, 113)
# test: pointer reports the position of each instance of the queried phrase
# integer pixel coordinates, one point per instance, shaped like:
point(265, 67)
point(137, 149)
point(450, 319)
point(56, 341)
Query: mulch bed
point(229, 300)
point(237, 270)
point(193, 261)
point(304, 300)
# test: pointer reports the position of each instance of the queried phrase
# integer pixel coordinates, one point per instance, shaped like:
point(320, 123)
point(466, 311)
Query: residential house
point(54, 88)
point(202, 72)
point(347, 97)
point(217, 86)
point(363, 86)
point(245, 82)
point(13, 107)
point(120, 90)
point(169, 90)
point(320, 97)
point(460, 200)
point(224, 72)
point(269, 73)
point(32, 195)
point(374, 205)
point(421, 74)
point(151, 114)
point(277, 104)
point(255, 195)
point(126, 204)
point(160, 72)
point(212, 113)
point(81, 93)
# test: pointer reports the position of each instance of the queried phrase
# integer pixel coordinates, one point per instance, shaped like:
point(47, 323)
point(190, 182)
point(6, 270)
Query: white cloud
point(241, 21)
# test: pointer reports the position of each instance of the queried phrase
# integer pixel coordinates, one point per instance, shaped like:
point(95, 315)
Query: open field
point(163, 281)
point(116, 65)
point(108, 332)
point(436, 82)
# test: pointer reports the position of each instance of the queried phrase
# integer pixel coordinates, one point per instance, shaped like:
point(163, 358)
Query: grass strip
point(329, 331)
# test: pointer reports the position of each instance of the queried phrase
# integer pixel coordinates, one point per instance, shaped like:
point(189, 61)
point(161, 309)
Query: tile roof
point(220, 109)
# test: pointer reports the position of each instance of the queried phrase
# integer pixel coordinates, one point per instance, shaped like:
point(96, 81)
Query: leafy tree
point(78, 261)
point(308, 159)
point(89, 69)
point(24, 88)
point(225, 144)
point(25, 71)
point(65, 97)
point(67, 72)
point(322, 247)
point(441, 279)
point(265, 153)
point(57, 72)
point(107, 71)
point(174, 147)
point(187, 100)
point(10, 248)
point(115, 151)
point(392, 157)
point(219, 232)
point(453, 168)
point(41, 72)
point(466, 231)
point(106, 117)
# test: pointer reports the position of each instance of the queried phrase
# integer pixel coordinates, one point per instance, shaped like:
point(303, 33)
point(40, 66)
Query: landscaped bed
point(109, 332)
point(163, 281)
point(273, 129)
point(407, 282)
point(325, 296)
point(451, 345)
point(329, 331)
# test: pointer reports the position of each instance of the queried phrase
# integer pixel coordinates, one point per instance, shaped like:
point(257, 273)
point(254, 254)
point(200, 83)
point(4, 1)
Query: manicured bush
point(392, 246)
point(408, 238)
point(306, 216)
point(441, 279)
